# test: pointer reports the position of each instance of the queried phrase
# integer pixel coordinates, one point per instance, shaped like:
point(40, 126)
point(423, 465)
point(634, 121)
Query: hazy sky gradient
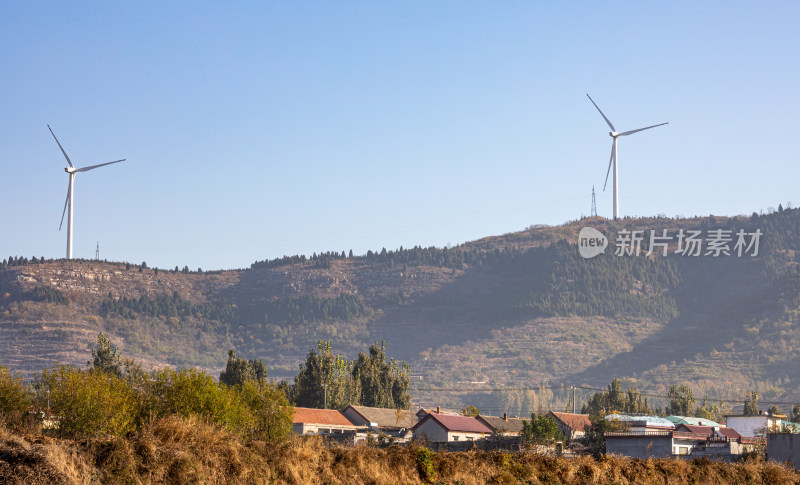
point(258, 129)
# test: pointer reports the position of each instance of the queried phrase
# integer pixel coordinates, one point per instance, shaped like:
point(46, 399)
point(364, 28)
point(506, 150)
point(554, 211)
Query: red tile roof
point(576, 422)
point(452, 422)
point(700, 430)
point(321, 416)
point(730, 433)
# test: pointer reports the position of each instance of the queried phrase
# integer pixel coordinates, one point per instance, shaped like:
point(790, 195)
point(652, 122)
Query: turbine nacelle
point(613, 134)
point(70, 169)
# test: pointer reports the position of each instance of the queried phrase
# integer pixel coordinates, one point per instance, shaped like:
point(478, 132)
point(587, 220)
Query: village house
point(756, 425)
point(685, 441)
point(572, 426)
point(393, 422)
point(450, 427)
point(321, 421)
point(502, 425)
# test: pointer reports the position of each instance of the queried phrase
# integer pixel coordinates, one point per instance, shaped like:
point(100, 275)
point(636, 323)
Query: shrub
point(189, 392)
point(87, 403)
point(540, 430)
point(272, 413)
point(425, 467)
point(14, 399)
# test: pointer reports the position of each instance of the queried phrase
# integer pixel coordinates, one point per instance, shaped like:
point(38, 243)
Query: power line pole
point(97, 252)
point(326, 395)
point(594, 209)
point(573, 387)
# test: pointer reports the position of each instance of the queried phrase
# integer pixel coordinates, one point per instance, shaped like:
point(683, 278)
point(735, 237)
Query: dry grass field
point(178, 451)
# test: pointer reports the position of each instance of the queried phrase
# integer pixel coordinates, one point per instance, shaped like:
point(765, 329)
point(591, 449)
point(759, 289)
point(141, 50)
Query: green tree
point(470, 411)
point(272, 413)
point(615, 399)
point(635, 403)
point(370, 380)
point(14, 399)
point(540, 430)
point(87, 403)
point(774, 409)
point(751, 404)
point(324, 372)
point(383, 384)
point(681, 400)
point(796, 413)
point(238, 371)
point(189, 392)
point(595, 436)
point(615, 396)
point(105, 357)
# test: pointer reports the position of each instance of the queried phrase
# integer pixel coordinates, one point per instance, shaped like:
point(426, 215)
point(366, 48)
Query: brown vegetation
point(179, 451)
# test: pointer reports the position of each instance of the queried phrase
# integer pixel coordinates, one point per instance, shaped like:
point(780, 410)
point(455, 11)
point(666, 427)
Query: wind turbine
point(614, 153)
point(72, 171)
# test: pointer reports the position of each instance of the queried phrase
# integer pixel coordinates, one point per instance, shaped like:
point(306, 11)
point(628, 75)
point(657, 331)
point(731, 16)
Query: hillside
point(521, 310)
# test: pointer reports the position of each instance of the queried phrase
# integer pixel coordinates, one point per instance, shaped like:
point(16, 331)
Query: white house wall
point(751, 426)
point(432, 431)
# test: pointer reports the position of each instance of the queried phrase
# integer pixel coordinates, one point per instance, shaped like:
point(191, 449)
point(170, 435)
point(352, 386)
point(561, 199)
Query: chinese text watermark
point(684, 242)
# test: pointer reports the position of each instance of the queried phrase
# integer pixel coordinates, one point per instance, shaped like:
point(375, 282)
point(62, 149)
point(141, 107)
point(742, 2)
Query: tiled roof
point(729, 433)
point(387, 418)
point(321, 416)
point(699, 430)
point(576, 422)
point(452, 422)
point(496, 423)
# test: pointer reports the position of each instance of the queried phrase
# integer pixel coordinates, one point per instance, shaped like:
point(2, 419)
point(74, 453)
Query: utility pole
point(593, 213)
point(573, 387)
point(97, 252)
point(326, 395)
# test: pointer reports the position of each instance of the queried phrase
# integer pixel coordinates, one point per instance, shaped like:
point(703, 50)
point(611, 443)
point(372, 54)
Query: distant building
point(640, 444)
point(503, 425)
point(756, 425)
point(321, 421)
point(572, 426)
point(685, 441)
point(450, 427)
point(394, 422)
point(784, 447)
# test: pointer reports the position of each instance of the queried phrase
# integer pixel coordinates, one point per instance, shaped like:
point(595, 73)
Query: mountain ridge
point(517, 308)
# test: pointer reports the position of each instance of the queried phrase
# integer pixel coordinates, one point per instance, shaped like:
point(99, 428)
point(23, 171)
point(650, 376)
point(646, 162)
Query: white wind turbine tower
point(614, 154)
point(71, 170)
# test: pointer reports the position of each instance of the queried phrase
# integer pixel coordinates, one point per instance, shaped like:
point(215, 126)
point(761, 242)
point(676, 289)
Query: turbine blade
point(62, 148)
point(610, 161)
point(642, 129)
point(601, 113)
point(65, 209)
point(92, 167)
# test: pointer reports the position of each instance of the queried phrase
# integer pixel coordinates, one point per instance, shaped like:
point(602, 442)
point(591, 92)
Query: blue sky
point(258, 129)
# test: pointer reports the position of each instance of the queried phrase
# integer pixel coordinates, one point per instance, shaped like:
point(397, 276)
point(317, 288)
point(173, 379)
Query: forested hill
point(519, 310)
